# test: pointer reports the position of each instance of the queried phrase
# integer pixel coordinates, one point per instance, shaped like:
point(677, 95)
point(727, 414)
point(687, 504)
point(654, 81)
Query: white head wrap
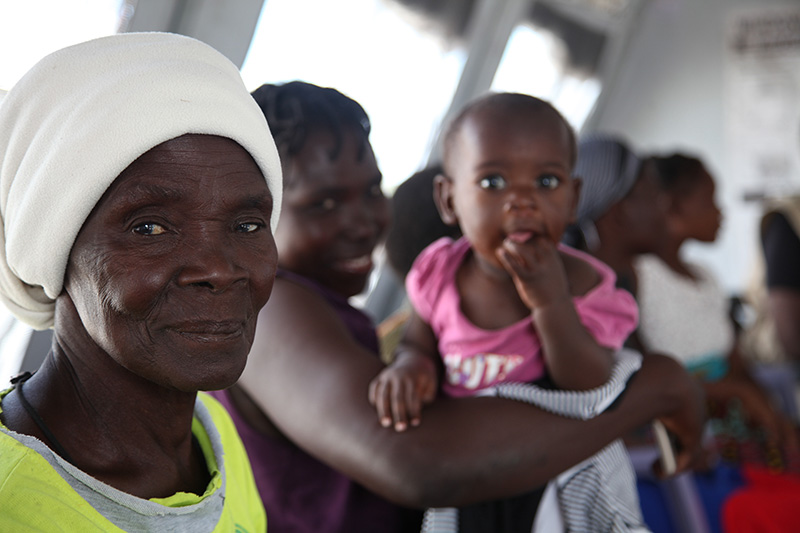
point(78, 118)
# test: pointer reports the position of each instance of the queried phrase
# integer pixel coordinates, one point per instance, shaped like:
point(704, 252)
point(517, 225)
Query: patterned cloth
point(596, 495)
point(688, 319)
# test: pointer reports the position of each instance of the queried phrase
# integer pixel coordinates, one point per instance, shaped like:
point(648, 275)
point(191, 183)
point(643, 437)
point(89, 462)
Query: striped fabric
point(597, 495)
point(444, 520)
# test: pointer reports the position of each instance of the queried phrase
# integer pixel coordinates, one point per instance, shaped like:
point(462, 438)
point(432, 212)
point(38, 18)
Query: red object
point(769, 503)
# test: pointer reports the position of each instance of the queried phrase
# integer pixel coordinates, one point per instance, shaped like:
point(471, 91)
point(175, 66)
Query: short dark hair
point(295, 109)
point(678, 173)
point(504, 100)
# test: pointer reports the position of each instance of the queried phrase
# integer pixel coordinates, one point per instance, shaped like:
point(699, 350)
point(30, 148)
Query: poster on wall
point(763, 102)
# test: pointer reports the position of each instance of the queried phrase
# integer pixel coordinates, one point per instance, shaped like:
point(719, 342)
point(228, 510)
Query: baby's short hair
point(503, 101)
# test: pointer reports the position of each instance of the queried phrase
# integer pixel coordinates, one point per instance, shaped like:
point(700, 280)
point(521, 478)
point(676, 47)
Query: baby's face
point(510, 177)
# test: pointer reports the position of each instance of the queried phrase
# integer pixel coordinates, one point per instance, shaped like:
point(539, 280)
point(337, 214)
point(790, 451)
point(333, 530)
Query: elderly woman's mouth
point(210, 331)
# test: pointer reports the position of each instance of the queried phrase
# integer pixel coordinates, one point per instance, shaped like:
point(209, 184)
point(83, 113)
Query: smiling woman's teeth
point(359, 264)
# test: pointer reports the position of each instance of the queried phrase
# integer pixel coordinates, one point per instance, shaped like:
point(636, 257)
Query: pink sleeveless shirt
point(476, 358)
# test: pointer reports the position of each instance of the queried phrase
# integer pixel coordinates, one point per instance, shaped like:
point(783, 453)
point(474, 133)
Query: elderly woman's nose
point(212, 263)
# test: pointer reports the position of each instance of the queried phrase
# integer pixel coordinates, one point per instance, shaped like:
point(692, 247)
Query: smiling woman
point(138, 224)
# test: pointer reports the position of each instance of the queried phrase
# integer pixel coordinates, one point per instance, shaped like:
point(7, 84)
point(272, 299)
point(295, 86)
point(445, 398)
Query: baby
point(506, 303)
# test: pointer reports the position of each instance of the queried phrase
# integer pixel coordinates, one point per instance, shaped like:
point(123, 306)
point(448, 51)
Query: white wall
point(669, 93)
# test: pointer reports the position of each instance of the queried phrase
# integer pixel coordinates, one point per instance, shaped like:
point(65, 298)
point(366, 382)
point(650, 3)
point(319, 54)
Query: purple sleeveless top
point(303, 495)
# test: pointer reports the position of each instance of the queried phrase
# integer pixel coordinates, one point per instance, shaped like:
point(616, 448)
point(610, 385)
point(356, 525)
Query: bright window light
point(403, 78)
point(31, 29)
point(535, 63)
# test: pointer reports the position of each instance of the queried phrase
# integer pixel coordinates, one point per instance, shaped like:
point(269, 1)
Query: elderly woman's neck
point(110, 420)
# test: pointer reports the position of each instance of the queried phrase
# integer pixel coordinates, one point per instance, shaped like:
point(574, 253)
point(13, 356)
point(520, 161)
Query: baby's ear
point(577, 183)
point(443, 196)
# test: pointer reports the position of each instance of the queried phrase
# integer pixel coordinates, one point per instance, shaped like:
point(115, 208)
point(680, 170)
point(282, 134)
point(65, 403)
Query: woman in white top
point(684, 311)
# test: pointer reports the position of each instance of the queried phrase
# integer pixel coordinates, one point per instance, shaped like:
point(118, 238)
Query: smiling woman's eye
point(249, 227)
point(149, 228)
point(326, 204)
point(495, 181)
point(548, 181)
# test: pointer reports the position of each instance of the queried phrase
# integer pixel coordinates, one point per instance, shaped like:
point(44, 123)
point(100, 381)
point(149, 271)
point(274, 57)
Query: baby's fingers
point(384, 403)
point(510, 261)
point(379, 391)
point(413, 404)
point(372, 393)
point(399, 396)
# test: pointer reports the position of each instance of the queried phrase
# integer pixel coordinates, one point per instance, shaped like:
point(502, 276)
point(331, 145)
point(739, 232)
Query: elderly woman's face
point(171, 268)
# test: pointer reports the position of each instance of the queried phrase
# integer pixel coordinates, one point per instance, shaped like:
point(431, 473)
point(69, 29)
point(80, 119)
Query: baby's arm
point(411, 380)
point(574, 359)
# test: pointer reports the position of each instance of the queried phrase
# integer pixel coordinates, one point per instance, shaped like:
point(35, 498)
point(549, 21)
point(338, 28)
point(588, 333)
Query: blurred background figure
point(774, 292)
point(414, 225)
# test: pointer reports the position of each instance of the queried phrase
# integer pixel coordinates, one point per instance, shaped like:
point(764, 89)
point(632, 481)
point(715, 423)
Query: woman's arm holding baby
point(311, 379)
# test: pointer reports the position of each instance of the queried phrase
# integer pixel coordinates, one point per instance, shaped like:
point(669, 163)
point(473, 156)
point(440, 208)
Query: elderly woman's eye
point(548, 181)
point(495, 181)
point(149, 228)
point(249, 227)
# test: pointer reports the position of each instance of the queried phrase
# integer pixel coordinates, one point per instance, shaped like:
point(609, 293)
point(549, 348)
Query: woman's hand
point(684, 413)
point(399, 391)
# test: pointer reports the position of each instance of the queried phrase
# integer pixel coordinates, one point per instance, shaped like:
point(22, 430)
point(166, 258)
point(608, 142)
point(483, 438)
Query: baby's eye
point(548, 181)
point(495, 181)
point(149, 228)
point(249, 227)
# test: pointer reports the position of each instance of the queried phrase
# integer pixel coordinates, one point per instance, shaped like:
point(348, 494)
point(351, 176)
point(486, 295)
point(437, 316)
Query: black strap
point(17, 381)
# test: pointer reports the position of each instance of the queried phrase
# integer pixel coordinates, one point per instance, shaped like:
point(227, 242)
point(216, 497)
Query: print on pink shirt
point(480, 370)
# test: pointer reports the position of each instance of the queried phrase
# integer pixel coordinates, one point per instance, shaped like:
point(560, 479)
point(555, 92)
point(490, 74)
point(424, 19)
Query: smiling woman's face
point(334, 213)
point(169, 271)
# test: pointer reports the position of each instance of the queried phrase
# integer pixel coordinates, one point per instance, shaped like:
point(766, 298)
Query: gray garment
point(596, 495)
point(134, 514)
point(38, 347)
